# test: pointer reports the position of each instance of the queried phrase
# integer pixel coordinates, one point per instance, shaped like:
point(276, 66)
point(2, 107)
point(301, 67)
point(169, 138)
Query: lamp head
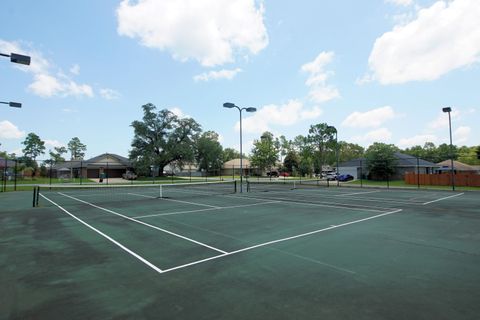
point(19, 58)
point(251, 109)
point(229, 105)
point(447, 109)
point(15, 104)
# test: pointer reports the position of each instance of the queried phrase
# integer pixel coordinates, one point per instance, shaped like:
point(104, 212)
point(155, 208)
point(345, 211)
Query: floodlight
point(229, 105)
point(447, 109)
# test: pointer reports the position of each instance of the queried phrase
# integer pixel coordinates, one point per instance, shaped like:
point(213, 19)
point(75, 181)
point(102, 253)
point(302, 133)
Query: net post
point(15, 176)
point(235, 186)
point(418, 173)
point(161, 191)
point(38, 196)
point(34, 195)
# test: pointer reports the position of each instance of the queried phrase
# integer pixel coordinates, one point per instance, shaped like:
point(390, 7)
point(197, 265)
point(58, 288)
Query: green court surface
point(303, 253)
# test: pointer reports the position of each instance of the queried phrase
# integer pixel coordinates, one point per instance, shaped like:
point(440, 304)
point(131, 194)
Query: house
point(458, 167)
point(403, 163)
point(232, 167)
point(108, 165)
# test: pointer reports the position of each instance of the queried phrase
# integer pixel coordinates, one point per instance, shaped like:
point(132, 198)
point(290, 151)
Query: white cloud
point(50, 144)
point(75, 69)
point(109, 94)
point(461, 134)
point(279, 115)
point(417, 140)
point(404, 3)
point(209, 31)
point(45, 84)
point(320, 91)
point(441, 121)
point(442, 38)
point(10, 131)
point(378, 135)
point(216, 75)
point(369, 119)
point(178, 112)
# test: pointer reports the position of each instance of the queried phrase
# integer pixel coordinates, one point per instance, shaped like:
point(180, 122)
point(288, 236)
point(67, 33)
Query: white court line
point(349, 194)
point(455, 195)
point(325, 204)
point(202, 210)
point(174, 200)
point(145, 261)
point(281, 240)
point(145, 224)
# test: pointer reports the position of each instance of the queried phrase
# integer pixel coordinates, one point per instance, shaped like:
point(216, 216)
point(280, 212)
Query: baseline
point(455, 195)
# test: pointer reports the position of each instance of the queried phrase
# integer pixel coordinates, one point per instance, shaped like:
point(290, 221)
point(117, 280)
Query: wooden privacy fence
point(444, 179)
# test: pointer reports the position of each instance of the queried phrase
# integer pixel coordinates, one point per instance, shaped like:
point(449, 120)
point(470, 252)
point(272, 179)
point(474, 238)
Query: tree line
point(162, 138)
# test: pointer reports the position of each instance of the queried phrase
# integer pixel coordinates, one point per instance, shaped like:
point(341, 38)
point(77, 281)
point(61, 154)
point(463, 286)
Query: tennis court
point(207, 251)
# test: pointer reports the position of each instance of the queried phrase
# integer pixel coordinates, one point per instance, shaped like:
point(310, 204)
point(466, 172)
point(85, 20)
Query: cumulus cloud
point(282, 115)
point(50, 144)
point(10, 131)
point(404, 3)
point(369, 119)
point(320, 91)
point(75, 69)
point(45, 84)
point(441, 38)
point(461, 134)
point(209, 31)
point(378, 135)
point(109, 94)
point(441, 121)
point(418, 140)
point(216, 75)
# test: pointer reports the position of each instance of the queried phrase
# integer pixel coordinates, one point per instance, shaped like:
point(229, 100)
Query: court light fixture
point(12, 104)
point(230, 105)
point(17, 58)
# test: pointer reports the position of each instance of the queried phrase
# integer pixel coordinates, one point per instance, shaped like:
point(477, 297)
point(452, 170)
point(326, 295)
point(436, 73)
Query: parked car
point(284, 174)
point(329, 176)
point(345, 177)
point(129, 175)
point(272, 174)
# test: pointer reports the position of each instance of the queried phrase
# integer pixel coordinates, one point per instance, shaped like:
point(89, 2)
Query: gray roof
point(94, 162)
point(10, 163)
point(403, 160)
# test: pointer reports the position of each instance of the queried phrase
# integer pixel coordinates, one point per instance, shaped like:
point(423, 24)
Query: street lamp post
point(20, 59)
point(230, 105)
point(448, 110)
point(336, 150)
point(12, 104)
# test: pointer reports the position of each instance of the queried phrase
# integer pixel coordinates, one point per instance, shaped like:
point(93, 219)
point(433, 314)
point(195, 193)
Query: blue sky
point(377, 70)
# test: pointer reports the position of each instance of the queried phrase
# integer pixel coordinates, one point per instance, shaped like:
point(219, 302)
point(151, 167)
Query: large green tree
point(381, 160)
point(209, 152)
point(34, 146)
point(77, 149)
point(306, 154)
point(56, 156)
point(265, 150)
point(321, 136)
point(291, 161)
point(161, 138)
point(229, 154)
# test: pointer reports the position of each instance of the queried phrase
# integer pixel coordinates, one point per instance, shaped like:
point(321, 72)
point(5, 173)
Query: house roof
point(459, 166)
point(106, 159)
point(235, 163)
point(403, 160)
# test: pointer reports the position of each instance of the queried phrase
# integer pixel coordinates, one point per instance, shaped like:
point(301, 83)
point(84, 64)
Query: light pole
point(230, 105)
point(336, 149)
point(20, 59)
point(448, 110)
point(12, 104)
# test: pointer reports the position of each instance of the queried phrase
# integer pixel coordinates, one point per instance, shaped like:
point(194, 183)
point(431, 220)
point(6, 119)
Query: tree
point(77, 149)
point(34, 146)
point(291, 161)
point(381, 160)
point(56, 155)
point(162, 138)
point(209, 151)
point(229, 154)
point(305, 150)
point(322, 138)
point(444, 152)
point(350, 151)
point(265, 151)
point(468, 155)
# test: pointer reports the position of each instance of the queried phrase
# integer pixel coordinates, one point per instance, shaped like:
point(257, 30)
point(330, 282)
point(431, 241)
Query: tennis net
point(125, 193)
point(283, 185)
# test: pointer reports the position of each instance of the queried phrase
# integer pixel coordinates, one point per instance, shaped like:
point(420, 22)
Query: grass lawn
point(402, 184)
